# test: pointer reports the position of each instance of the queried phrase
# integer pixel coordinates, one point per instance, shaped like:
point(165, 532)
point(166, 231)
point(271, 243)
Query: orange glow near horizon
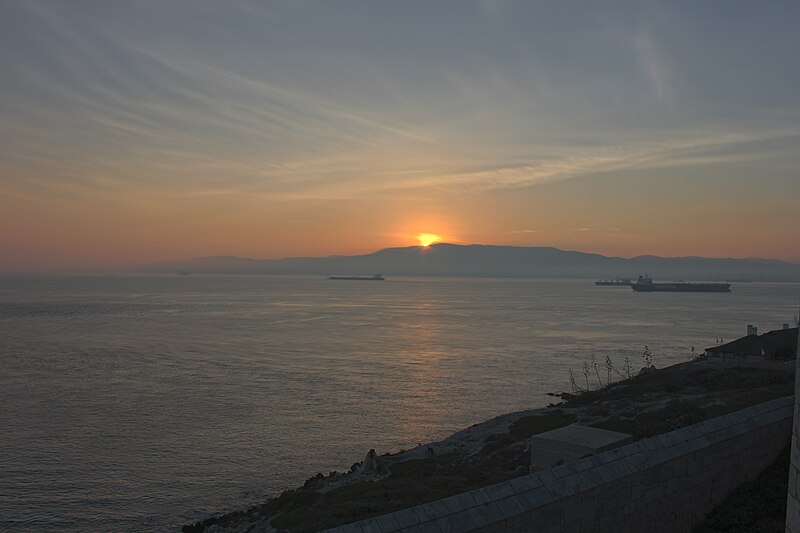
point(426, 239)
point(114, 230)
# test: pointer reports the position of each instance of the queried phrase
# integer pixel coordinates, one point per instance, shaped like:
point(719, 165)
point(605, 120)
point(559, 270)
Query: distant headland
point(479, 260)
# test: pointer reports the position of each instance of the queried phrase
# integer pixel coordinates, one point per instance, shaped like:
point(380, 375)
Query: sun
point(426, 239)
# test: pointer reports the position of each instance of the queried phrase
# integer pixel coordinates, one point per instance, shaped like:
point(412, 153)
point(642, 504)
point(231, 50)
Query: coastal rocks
point(312, 482)
point(371, 466)
point(370, 463)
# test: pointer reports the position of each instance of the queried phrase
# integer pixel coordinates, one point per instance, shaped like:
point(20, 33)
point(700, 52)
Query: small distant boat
point(374, 277)
point(618, 282)
point(645, 284)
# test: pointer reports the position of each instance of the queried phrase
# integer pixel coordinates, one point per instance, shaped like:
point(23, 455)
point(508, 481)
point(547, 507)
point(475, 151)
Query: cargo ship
point(374, 277)
point(619, 282)
point(645, 284)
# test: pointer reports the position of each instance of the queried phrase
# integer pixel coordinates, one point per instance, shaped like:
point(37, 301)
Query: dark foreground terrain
point(653, 402)
point(756, 507)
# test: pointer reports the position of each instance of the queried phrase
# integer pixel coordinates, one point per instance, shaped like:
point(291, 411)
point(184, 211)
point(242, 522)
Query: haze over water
point(142, 403)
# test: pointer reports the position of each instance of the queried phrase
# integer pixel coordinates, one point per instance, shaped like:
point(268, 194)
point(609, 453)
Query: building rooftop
point(570, 443)
point(780, 343)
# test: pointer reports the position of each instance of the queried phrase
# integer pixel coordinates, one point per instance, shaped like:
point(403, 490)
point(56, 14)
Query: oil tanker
point(374, 277)
point(619, 282)
point(645, 284)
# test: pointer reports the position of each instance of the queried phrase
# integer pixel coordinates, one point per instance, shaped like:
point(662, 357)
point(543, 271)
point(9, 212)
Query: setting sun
point(426, 239)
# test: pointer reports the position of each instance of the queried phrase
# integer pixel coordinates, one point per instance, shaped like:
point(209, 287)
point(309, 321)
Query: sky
point(141, 131)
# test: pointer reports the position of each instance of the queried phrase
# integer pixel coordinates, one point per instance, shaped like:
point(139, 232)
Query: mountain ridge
point(486, 260)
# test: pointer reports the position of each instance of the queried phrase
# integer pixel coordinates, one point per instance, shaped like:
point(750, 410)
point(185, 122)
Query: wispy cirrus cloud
point(171, 117)
point(654, 65)
point(712, 147)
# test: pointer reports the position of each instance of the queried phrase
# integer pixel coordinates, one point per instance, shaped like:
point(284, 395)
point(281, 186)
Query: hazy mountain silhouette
point(502, 261)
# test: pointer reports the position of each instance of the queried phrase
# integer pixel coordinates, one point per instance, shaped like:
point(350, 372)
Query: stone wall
point(665, 483)
point(793, 496)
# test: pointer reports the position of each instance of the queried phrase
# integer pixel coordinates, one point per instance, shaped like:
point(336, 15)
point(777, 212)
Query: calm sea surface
point(136, 403)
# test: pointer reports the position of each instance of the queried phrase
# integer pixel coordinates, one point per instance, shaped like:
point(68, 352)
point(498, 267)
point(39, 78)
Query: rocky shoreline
point(650, 403)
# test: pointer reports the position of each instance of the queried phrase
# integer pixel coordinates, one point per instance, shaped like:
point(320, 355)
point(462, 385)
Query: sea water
point(143, 403)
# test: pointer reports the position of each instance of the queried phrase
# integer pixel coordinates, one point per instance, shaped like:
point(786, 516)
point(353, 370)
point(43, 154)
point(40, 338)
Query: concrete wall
point(793, 496)
point(664, 483)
